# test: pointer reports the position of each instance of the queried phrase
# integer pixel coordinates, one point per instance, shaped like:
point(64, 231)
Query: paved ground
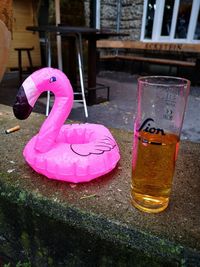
point(120, 110)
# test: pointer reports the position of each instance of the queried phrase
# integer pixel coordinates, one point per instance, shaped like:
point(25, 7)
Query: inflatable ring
point(74, 153)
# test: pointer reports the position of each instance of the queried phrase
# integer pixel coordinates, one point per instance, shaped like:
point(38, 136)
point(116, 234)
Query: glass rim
point(144, 80)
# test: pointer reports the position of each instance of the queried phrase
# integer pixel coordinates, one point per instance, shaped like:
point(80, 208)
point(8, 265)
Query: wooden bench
point(186, 54)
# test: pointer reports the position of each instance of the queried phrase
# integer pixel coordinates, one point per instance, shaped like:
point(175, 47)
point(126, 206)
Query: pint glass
point(161, 103)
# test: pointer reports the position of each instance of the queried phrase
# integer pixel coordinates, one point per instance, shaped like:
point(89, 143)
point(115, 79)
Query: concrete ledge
point(50, 223)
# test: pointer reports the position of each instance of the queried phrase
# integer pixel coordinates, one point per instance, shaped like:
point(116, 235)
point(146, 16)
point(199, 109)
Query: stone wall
point(130, 20)
point(87, 12)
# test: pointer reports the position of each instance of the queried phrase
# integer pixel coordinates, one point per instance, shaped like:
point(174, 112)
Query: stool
point(20, 50)
point(79, 49)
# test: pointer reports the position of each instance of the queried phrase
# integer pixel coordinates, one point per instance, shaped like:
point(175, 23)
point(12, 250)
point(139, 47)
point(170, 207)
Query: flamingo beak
point(21, 107)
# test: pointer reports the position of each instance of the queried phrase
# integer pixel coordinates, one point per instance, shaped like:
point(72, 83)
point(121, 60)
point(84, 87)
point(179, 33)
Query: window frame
point(158, 19)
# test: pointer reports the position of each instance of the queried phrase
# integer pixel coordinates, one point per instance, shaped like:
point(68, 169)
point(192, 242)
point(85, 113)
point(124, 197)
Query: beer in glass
point(160, 112)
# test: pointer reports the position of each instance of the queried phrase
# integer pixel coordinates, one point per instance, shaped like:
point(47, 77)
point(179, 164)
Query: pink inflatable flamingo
point(74, 153)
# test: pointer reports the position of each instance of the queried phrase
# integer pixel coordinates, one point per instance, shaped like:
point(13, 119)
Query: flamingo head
point(38, 82)
point(22, 107)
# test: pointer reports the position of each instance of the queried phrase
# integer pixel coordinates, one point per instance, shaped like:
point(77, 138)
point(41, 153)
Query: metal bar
point(58, 37)
point(80, 65)
point(48, 58)
point(118, 19)
point(98, 14)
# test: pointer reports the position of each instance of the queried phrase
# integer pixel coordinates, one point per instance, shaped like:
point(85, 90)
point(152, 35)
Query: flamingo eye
point(52, 79)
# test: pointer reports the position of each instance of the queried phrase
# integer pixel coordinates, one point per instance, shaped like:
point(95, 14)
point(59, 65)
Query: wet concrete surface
point(123, 104)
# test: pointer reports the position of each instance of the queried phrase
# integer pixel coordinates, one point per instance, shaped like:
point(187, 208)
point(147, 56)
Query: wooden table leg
point(71, 61)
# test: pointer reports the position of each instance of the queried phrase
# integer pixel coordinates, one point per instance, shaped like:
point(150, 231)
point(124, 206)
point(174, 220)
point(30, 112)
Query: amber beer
point(161, 103)
point(153, 169)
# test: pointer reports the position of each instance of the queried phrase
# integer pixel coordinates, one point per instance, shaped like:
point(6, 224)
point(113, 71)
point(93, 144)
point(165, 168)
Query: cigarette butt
point(13, 129)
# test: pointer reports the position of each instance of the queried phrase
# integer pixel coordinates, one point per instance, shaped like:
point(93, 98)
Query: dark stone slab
point(51, 223)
